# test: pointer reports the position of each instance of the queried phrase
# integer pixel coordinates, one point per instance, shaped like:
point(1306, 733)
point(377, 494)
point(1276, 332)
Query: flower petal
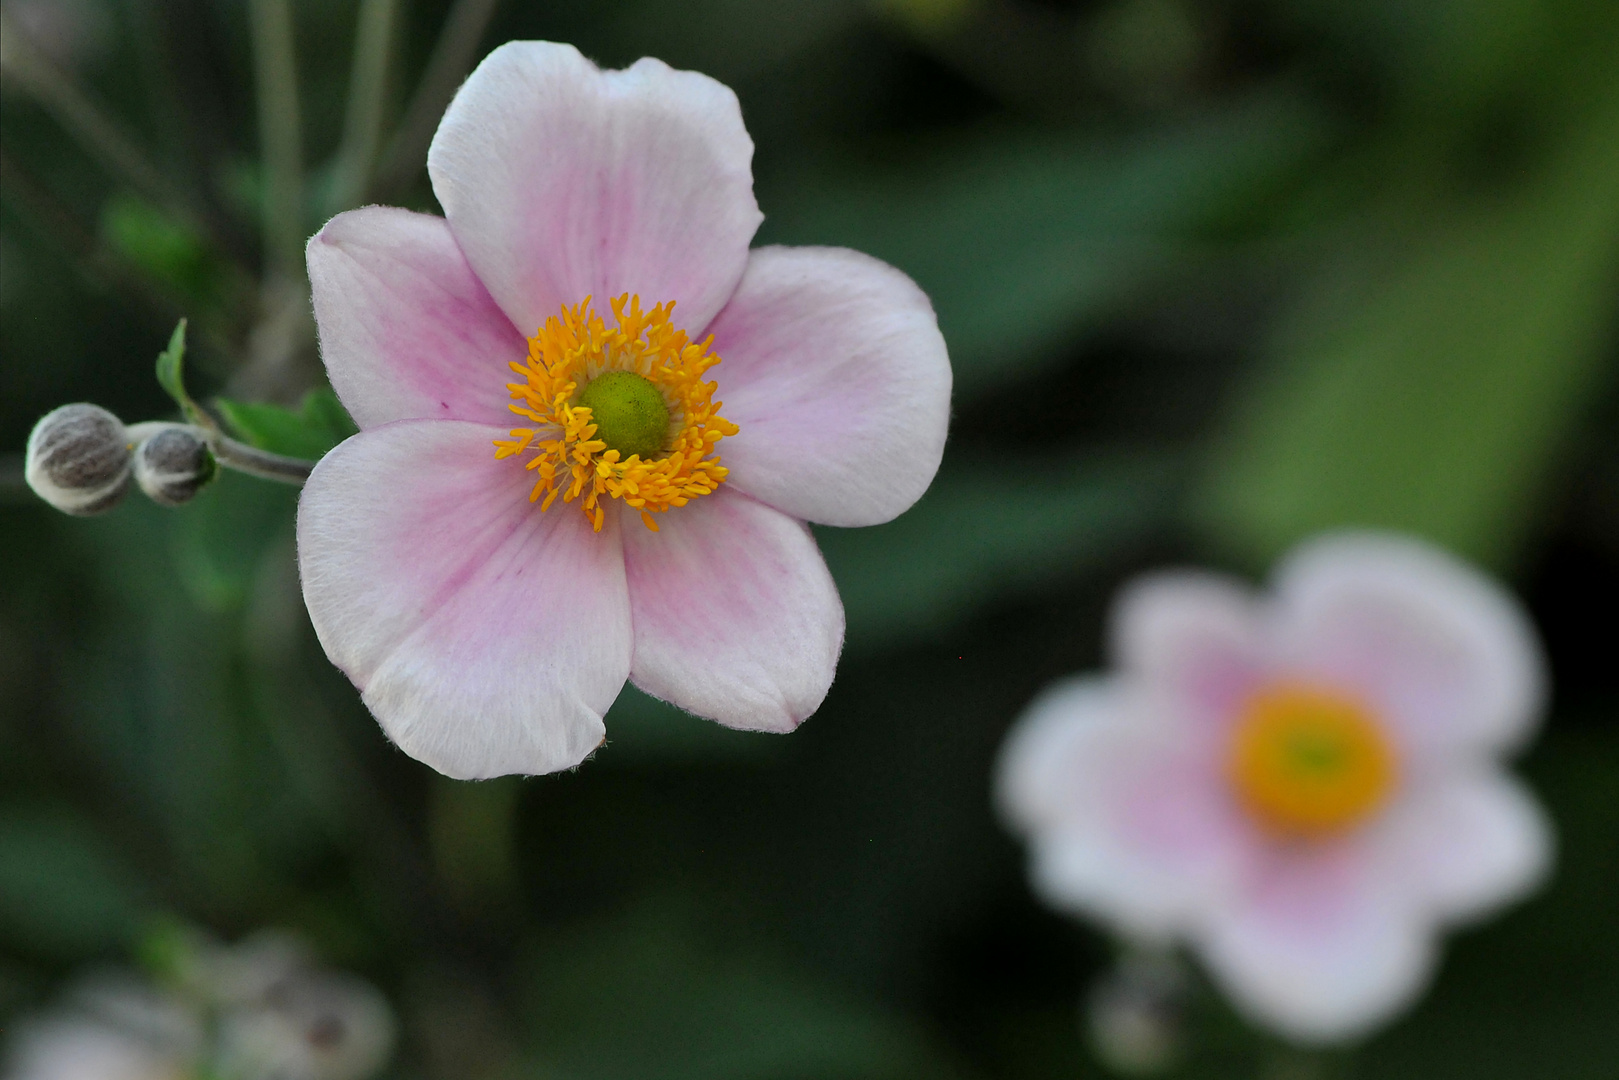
point(736, 617)
point(1467, 843)
point(1129, 824)
point(485, 636)
point(562, 181)
point(406, 329)
point(1321, 949)
point(835, 371)
point(1193, 641)
point(1037, 767)
point(1447, 654)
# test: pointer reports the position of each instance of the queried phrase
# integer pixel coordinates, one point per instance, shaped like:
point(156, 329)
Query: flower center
point(631, 415)
point(622, 412)
point(1309, 762)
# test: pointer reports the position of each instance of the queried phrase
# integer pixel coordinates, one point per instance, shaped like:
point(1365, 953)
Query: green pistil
point(629, 413)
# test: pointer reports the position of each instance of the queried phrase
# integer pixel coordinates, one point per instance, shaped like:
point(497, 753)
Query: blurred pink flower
point(490, 589)
point(1302, 786)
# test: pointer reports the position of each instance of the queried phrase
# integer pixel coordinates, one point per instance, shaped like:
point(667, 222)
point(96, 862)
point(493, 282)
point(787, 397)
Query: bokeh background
point(1215, 274)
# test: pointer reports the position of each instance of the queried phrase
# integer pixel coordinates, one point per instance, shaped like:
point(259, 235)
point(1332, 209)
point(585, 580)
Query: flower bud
point(173, 465)
point(1135, 1015)
point(78, 459)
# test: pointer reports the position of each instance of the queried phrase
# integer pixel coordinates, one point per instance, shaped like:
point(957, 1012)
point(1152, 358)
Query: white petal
point(836, 373)
point(485, 636)
point(561, 180)
point(1467, 842)
point(1322, 949)
point(1128, 823)
point(1447, 654)
point(736, 616)
point(1036, 768)
point(406, 329)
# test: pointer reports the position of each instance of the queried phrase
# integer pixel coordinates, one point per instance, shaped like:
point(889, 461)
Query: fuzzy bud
point(173, 465)
point(78, 459)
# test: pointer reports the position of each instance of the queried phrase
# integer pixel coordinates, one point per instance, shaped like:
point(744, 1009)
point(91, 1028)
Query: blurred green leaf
point(158, 244)
point(650, 997)
point(171, 373)
point(318, 424)
point(1435, 395)
point(1025, 240)
point(992, 528)
point(62, 891)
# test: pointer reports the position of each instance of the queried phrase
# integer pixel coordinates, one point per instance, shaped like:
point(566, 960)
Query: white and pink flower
point(1303, 786)
point(683, 405)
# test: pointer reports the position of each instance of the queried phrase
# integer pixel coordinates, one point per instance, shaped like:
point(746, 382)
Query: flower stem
point(280, 137)
point(452, 58)
point(260, 463)
point(368, 84)
point(233, 454)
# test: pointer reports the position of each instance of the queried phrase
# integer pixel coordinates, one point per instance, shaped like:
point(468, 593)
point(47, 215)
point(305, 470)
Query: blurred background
point(1215, 274)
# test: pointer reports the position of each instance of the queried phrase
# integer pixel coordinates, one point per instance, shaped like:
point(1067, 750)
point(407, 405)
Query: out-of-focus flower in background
point(488, 629)
point(259, 1010)
point(1303, 786)
point(109, 1027)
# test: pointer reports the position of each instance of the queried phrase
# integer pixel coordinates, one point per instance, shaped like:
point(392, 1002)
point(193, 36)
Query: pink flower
point(489, 588)
point(1303, 786)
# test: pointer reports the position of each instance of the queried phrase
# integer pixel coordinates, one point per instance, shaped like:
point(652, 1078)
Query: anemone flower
point(682, 406)
point(1304, 786)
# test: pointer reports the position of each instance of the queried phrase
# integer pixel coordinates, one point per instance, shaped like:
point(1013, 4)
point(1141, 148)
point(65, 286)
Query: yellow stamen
point(1310, 762)
point(569, 460)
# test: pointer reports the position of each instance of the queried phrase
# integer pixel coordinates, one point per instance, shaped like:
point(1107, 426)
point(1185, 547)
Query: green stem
point(452, 58)
point(233, 454)
point(280, 138)
point(368, 84)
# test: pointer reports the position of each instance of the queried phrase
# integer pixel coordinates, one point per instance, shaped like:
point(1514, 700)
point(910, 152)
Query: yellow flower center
point(1309, 762)
point(622, 412)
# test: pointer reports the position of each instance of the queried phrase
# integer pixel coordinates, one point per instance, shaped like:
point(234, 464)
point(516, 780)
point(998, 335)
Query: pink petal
point(406, 329)
point(1129, 824)
point(563, 181)
point(485, 636)
point(1322, 948)
point(837, 375)
point(1466, 842)
point(1448, 656)
point(1193, 641)
point(736, 617)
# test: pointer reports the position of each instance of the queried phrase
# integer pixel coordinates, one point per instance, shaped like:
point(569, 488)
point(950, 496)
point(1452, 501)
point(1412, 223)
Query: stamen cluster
point(563, 357)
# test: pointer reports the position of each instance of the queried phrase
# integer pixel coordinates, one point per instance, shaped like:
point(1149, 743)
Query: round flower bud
point(173, 465)
point(78, 459)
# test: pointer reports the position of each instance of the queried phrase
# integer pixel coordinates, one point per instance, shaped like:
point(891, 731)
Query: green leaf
point(171, 375)
point(318, 424)
point(1435, 395)
point(988, 529)
point(1024, 241)
point(62, 891)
